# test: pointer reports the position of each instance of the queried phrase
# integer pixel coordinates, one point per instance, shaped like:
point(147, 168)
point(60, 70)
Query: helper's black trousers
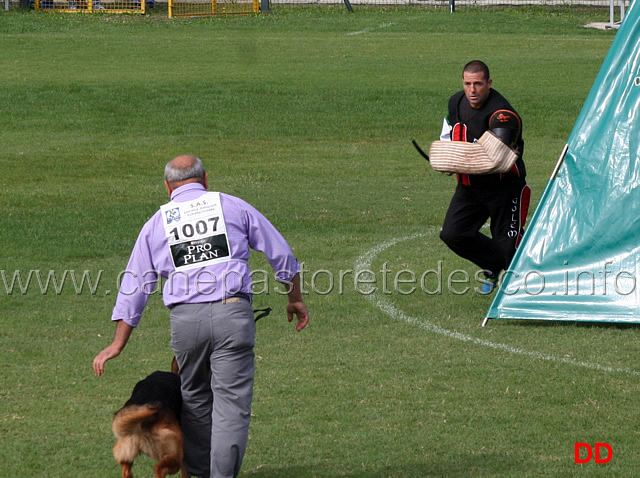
point(470, 208)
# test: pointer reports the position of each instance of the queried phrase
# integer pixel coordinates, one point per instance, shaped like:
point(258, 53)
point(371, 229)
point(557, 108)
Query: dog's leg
point(160, 471)
point(126, 470)
point(168, 466)
point(125, 451)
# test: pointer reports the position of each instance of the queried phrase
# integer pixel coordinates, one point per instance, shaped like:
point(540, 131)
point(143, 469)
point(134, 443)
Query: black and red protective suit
point(503, 198)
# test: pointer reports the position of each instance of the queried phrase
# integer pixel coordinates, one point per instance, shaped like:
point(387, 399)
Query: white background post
point(612, 7)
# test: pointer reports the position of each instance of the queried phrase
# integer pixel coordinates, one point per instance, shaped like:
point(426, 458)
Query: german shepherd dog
point(149, 423)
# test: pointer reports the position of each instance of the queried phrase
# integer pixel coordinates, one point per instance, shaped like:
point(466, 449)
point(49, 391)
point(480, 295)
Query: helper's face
point(476, 88)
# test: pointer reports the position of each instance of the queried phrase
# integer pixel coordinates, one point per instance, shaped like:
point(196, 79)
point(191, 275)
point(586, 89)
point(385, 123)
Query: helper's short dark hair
point(477, 66)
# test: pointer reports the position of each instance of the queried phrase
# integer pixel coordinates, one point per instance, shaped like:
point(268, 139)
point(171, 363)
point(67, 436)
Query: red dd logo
point(591, 453)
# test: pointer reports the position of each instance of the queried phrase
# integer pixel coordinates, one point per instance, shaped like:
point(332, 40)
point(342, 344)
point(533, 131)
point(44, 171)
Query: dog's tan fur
point(150, 429)
point(174, 366)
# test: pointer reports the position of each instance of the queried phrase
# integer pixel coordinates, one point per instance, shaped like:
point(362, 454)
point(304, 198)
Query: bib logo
point(173, 215)
point(590, 453)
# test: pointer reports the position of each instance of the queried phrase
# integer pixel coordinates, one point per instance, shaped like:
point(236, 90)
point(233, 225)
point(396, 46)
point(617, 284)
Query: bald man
point(199, 243)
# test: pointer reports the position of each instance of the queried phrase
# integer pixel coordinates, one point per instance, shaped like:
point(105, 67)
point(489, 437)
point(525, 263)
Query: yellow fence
point(90, 6)
point(201, 8)
point(177, 8)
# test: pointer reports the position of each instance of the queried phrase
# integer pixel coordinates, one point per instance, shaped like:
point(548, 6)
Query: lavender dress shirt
point(151, 260)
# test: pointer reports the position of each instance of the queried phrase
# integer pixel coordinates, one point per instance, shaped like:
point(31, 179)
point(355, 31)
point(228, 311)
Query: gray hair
point(174, 174)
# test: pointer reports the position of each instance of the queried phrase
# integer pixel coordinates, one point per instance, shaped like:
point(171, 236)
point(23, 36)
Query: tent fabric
point(579, 259)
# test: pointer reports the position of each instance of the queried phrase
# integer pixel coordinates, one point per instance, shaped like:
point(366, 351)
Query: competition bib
point(196, 232)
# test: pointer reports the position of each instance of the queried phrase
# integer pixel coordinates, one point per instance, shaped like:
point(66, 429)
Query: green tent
point(580, 256)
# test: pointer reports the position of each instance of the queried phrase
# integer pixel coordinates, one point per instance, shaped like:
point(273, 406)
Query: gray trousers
point(213, 345)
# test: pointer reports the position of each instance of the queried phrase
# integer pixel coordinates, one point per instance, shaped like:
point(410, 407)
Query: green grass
point(306, 113)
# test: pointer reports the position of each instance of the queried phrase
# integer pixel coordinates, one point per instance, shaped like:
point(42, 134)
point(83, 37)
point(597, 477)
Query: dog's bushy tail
point(131, 420)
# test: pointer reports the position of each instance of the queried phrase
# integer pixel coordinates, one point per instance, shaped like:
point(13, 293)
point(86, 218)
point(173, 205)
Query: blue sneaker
point(489, 284)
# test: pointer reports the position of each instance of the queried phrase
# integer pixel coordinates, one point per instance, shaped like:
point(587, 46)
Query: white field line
point(370, 29)
point(363, 263)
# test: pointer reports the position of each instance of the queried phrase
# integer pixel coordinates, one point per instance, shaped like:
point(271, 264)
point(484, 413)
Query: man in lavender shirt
point(199, 245)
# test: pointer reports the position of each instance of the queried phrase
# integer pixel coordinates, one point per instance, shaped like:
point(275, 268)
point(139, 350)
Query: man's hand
point(123, 332)
point(107, 354)
point(296, 305)
point(299, 309)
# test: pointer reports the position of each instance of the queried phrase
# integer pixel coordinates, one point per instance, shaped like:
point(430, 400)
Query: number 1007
point(199, 228)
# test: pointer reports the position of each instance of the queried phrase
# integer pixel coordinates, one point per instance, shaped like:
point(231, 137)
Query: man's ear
point(169, 188)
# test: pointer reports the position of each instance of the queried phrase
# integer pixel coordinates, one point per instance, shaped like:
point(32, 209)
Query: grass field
point(308, 115)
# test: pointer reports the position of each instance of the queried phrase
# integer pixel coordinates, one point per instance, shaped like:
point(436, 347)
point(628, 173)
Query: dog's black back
point(159, 387)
